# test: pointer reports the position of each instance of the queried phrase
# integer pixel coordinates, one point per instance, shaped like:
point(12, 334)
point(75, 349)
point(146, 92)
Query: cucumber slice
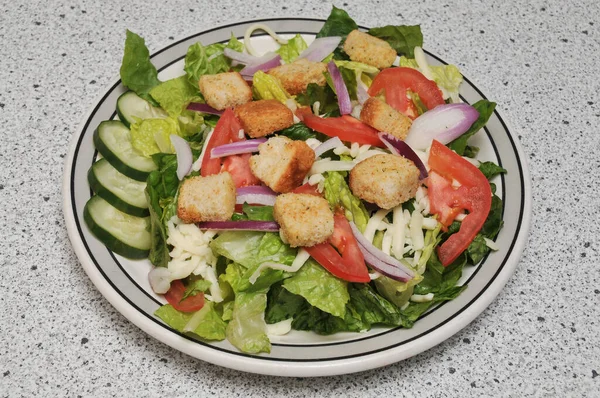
point(122, 233)
point(130, 106)
point(113, 141)
point(124, 193)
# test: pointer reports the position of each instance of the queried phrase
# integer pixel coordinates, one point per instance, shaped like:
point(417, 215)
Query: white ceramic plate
point(124, 282)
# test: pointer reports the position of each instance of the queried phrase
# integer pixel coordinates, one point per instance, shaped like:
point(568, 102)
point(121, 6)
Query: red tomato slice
point(350, 265)
point(397, 81)
point(189, 304)
point(226, 131)
point(308, 189)
point(239, 168)
point(345, 127)
point(474, 195)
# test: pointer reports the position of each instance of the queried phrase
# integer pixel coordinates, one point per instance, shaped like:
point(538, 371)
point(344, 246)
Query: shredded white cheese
point(260, 26)
point(279, 328)
point(491, 244)
point(421, 298)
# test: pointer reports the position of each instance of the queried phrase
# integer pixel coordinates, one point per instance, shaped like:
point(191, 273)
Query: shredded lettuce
point(150, 136)
point(294, 47)
point(319, 288)
point(337, 192)
point(265, 86)
point(137, 72)
point(209, 60)
point(211, 327)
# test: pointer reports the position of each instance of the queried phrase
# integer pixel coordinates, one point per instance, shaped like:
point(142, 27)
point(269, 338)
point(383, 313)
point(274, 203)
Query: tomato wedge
point(350, 264)
point(307, 189)
point(397, 81)
point(239, 168)
point(175, 295)
point(474, 195)
point(345, 127)
point(226, 131)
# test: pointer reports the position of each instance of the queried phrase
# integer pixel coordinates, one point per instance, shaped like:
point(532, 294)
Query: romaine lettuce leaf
point(265, 86)
point(338, 193)
point(174, 95)
point(485, 109)
point(247, 329)
point(490, 169)
point(290, 51)
point(258, 213)
point(298, 131)
point(328, 103)
point(447, 77)
point(319, 288)
point(137, 72)
point(396, 291)
point(209, 60)
point(402, 38)
point(211, 327)
point(150, 136)
point(338, 23)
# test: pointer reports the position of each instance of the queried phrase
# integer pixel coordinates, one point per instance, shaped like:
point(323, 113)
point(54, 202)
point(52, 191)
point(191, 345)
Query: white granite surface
point(538, 60)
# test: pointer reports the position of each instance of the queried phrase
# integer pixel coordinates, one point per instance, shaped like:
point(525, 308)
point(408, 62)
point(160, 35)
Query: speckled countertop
point(540, 337)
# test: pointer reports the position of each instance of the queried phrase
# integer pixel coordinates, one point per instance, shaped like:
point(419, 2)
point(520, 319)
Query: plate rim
point(302, 368)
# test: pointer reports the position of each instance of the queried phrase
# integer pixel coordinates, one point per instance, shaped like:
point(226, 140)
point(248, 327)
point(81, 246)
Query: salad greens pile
point(312, 298)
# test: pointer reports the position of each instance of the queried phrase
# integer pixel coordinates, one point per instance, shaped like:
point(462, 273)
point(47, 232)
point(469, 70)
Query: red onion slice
point(184, 155)
point(270, 63)
point(401, 148)
point(362, 93)
point(236, 148)
point(264, 226)
point(244, 58)
point(328, 145)
point(380, 261)
point(340, 89)
point(444, 123)
point(198, 107)
point(256, 194)
point(320, 48)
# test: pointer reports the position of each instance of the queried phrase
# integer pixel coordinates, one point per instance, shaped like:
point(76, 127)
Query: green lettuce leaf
point(485, 109)
point(298, 132)
point(150, 136)
point(402, 38)
point(161, 194)
point(247, 329)
point(265, 86)
point(137, 72)
point(437, 278)
point(282, 305)
point(211, 327)
point(338, 193)
point(396, 291)
point(490, 169)
point(290, 51)
point(174, 95)
point(258, 213)
point(338, 23)
point(209, 60)
point(319, 288)
point(478, 249)
point(328, 103)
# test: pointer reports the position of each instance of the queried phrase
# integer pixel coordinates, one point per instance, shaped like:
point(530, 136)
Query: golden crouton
point(224, 90)
point(296, 76)
point(209, 198)
point(370, 50)
point(304, 220)
point(282, 163)
point(383, 117)
point(386, 180)
point(260, 118)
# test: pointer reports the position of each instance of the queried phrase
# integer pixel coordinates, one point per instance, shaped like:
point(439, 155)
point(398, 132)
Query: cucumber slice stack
point(118, 213)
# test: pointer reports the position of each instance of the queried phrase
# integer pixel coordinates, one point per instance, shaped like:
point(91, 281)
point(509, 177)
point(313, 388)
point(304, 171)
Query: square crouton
point(282, 163)
point(383, 117)
point(304, 220)
point(210, 198)
point(370, 50)
point(260, 118)
point(296, 76)
point(224, 90)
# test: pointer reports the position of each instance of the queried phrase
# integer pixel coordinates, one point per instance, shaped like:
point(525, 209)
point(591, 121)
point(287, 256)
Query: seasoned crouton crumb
point(224, 90)
point(296, 76)
point(304, 220)
point(210, 198)
point(260, 118)
point(383, 117)
point(362, 47)
point(282, 163)
point(386, 180)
